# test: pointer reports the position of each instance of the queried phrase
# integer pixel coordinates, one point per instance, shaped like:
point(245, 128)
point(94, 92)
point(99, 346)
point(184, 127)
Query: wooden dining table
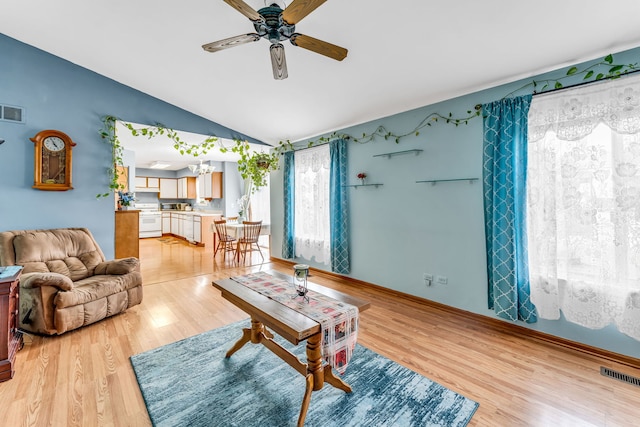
point(234, 230)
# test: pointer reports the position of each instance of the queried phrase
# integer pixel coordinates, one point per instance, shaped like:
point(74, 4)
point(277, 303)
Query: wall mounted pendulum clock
point(52, 165)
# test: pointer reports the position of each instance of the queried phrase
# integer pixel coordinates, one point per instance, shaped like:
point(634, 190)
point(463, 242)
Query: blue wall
point(401, 230)
point(57, 94)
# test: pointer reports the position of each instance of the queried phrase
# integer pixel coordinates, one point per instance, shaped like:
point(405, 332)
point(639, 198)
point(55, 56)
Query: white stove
point(150, 220)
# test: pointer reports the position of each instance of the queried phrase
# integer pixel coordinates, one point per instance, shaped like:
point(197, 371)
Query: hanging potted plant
point(263, 160)
point(255, 166)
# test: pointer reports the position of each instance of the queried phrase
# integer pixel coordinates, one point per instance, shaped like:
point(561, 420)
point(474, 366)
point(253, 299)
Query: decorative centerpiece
point(361, 176)
point(125, 199)
point(243, 208)
point(300, 274)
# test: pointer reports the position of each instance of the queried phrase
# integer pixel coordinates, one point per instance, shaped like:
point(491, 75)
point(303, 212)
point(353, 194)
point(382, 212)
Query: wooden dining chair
point(231, 219)
point(249, 238)
point(225, 241)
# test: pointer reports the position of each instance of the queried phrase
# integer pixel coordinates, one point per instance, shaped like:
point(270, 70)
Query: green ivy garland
point(590, 73)
point(251, 165)
point(256, 166)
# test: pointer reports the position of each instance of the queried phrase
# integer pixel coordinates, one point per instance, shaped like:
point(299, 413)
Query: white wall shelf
point(435, 181)
point(398, 153)
point(362, 185)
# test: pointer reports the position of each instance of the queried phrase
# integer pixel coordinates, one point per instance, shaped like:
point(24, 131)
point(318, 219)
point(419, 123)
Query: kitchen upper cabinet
point(210, 185)
point(216, 185)
point(141, 182)
point(147, 183)
point(168, 188)
point(187, 187)
point(153, 183)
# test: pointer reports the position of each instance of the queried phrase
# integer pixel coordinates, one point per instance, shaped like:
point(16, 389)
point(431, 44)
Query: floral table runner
point(339, 320)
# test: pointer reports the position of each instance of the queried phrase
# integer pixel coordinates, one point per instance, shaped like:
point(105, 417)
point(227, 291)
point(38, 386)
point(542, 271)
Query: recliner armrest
point(118, 266)
point(38, 280)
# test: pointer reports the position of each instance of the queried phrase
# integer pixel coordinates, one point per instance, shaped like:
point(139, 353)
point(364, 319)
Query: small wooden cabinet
point(210, 185)
point(187, 187)
point(10, 337)
point(127, 236)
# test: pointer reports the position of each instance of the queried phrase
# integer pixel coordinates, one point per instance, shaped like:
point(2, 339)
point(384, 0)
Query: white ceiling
point(402, 54)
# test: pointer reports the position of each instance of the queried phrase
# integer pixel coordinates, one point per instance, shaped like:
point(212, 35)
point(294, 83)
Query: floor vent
point(620, 376)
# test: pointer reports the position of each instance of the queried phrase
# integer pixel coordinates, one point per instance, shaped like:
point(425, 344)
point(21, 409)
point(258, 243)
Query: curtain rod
point(317, 144)
point(585, 83)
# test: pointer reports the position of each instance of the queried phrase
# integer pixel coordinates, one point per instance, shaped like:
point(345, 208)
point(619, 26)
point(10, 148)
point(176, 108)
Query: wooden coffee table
point(290, 325)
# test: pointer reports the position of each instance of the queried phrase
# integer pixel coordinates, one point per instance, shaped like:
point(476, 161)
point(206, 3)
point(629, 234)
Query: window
point(312, 226)
point(583, 205)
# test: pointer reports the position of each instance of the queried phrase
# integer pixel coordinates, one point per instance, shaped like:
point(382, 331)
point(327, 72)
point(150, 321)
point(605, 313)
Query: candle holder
point(300, 274)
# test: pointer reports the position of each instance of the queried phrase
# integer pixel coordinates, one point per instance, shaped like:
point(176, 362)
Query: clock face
point(53, 143)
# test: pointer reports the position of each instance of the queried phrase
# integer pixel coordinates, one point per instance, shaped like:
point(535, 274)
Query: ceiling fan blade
point(278, 62)
point(244, 9)
point(297, 10)
point(230, 42)
point(318, 46)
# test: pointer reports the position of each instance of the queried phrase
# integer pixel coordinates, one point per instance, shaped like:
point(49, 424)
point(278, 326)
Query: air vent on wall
point(620, 376)
point(9, 113)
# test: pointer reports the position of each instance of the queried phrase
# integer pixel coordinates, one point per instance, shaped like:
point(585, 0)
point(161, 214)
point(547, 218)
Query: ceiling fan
point(276, 25)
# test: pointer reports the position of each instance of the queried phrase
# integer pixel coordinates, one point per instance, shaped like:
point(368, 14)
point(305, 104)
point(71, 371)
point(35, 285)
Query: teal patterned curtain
point(338, 207)
point(289, 207)
point(505, 165)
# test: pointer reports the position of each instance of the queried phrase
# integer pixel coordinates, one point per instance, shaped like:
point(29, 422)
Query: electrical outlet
point(428, 279)
point(442, 280)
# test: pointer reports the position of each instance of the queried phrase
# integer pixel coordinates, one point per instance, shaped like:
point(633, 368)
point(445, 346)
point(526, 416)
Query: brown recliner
point(66, 282)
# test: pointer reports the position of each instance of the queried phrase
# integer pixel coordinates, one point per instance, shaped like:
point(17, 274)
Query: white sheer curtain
point(260, 207)
point(583, 204)
point(312, 227)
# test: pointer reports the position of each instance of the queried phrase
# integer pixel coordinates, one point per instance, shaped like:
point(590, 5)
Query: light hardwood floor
point(84, 378)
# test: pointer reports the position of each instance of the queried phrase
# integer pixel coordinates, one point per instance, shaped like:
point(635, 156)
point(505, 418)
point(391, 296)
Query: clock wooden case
point(52, 165)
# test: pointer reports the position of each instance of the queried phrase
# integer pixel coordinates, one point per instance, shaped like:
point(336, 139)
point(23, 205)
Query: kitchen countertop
point(200, 213)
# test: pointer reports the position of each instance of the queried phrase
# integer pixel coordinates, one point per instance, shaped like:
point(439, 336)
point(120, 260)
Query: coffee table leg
point(246, 337)
point(306, 400)
point(314, 361)
point(253, 335)
point(335, 381)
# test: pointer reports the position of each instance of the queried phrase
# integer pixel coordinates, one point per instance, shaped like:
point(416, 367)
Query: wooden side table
point(10, 337)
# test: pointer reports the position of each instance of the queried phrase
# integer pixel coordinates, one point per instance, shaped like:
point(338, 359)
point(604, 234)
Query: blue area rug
point(190, 383)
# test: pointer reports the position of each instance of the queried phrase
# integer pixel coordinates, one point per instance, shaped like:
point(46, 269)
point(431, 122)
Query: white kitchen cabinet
point(204, 186)
point(210, 185)
point(181, 221)
point(174, 224)
point(147, 184)
point(168, 188)
point(182, 188)
point(188, 228)
point(153, 183)
point(141, 182)
point(197, 228)
point(187, 187)
point(166, 223)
